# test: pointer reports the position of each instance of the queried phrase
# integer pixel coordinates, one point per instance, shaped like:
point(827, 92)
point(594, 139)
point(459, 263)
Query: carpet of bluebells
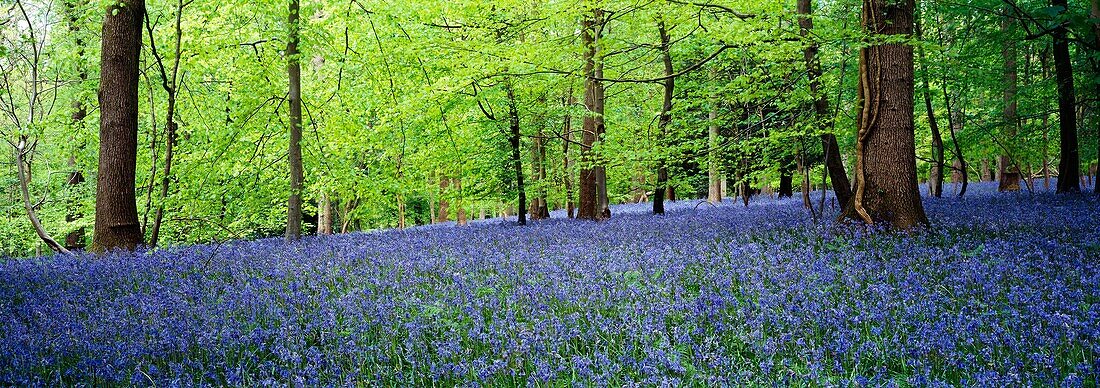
point(1004, 289)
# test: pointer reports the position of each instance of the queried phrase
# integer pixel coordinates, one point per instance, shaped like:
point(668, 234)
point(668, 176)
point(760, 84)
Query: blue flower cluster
point(1002, 290)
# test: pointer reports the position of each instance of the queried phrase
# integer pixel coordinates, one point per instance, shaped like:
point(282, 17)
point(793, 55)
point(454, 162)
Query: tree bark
point(324, 215)
point(170, 85)
point(567, 160)
point(886, 167)
point(1009, 174)
point(116, 217)
point(665, 119)
point(714, 178)
point(294, 151)
point(955, 121)
point(517, 163)
point(841, 185)
point(786, 179)
point(1094, 12)
point(443, 213)
point(1069, 167)
point(935, 177)
point(603, 204)
point(75, 239)
point(587, 191)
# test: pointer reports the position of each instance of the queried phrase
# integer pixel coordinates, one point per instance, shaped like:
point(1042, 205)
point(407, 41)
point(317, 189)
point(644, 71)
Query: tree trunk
point(935, 176)
point(1094, 12)
point(664, 120)
point(517, 163)
point(886, 167)
point(442, 214)
point(955, 124)
point(23, 169)
point(170, 83)
point(1069, 167)
point(75, 239)
point(324, 215)
point(461, 212)
point(116, 218)
point(1009, 173)
point(567, 161)
point(804, 170)
point(786, 179)
point(294, 152)
point(833, 163)
point(540, 209)
point(714, 178)
point(603, 204)
point(587, 209)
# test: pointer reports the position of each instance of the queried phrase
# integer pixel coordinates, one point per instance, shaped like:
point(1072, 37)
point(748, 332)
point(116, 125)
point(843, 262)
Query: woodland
point(518, 192)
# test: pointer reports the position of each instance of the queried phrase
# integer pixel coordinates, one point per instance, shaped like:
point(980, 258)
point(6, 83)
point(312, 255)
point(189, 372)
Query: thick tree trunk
point(786, 179)
point(294, 152)
point(841, 185)
point(1009, 174)
point(886, 166)
point(116, 218)
point(1069, 167)
point(664, 120)
point(324, 215)
point(587, 209)
point(517, 163)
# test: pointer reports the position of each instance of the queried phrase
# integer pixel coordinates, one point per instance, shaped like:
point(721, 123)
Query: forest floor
point(1003, 289)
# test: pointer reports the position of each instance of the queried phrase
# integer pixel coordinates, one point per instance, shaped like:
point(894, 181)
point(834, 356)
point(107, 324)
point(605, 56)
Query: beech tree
point(294, 99)
point(116, 216)
point(885, 175)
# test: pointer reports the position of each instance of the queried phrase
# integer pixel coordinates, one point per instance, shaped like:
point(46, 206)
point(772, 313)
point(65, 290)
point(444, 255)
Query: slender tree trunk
point(833, 163)
point(714, 178)
point(116, 218)
point(517, 163)
point(443, 211)
point(955, 122)
point(587, 209)
point(664, 120)
point(1069, 167)
point(540, 209)
point(170, 85)
point(804, 170)
point(1094, 12)
point(935, 177)
point(75, 239)
point(886, 167)
point(567, 161)
point(1009, 174)
point(461, 212)
point(294, 98)
point(23, 169)
point(603, 204)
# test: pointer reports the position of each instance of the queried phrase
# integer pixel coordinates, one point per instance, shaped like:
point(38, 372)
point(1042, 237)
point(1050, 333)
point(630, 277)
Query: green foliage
point(401, 95)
